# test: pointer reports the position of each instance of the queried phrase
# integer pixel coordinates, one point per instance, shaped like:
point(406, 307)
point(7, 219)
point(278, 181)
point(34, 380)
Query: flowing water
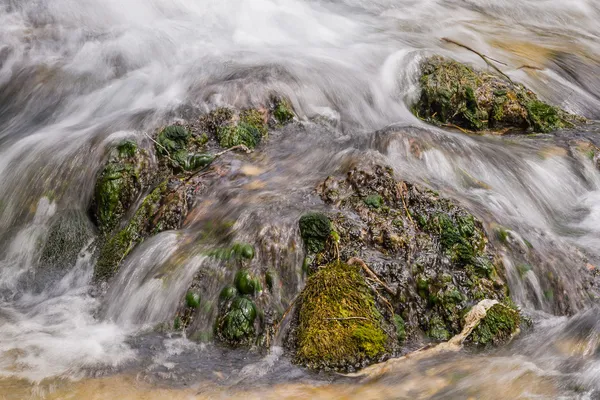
point(77, 75)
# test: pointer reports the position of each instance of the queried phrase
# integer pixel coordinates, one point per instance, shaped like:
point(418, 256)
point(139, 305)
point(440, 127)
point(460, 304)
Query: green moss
point(315, 229)
point(248, 131)
point(400, 328)
point(243, 251)
point(68, 234)
point(460, 239)
point(523, 269)
point(283, 113)
point(172, 139)
point(543, 117)
point(338, 322)
point(238, 251)
point(192, 300)
point(127, 148)
point(502, 234)
point(499, 325)
point(453, 93)
point(437, 329)
point(111, 192)
point(117, 247)
point(374, 201)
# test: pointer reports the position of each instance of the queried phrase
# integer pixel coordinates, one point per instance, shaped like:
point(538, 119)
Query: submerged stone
point(456, 94)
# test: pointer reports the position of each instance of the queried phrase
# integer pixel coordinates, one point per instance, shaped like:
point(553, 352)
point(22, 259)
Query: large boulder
point(425, 260)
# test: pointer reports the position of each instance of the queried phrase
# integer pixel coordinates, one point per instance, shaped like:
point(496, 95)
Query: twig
point(290, 307)
point(355, 261)
point(466, 132)
point(238, 147)
point(346, 318)
point(401, 190)
point(483, 57)
point(530, 67)
point(163, 147)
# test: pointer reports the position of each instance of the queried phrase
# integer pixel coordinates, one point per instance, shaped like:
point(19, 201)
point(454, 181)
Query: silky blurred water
point(78, 75)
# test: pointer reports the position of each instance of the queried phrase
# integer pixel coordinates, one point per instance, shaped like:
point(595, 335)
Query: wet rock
point(427, 258)
point(68, 234)
point(339, 325)
point(163, 209)
point(121, 181)
point(456, 94)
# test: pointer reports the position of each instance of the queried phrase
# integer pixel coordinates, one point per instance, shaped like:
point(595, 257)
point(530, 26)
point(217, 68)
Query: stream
point(77, 76)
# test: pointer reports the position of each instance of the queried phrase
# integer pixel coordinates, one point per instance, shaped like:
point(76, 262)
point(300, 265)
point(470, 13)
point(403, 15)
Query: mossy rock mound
point(123, 178)
point(456, 94)
point(432, 254)
point(339, 325)
point(500, 324)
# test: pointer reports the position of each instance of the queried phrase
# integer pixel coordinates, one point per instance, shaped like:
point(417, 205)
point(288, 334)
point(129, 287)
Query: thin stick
point(457, 127)
point(355, 261)
point(483, 57)
point(163, 147)
point(401, 190)
point(346, 318)
point(530, 67)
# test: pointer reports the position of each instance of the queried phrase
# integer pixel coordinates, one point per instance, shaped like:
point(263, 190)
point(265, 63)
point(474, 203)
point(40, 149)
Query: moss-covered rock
point(125, 175)
point(163, 209)
point(339, 325)
point(500, 324)
point(454, 93)
point(433, 256)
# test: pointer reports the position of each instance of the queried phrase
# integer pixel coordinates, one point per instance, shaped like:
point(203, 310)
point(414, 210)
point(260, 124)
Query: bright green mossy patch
point(172, 140)
point(237, 251)
point(315, 228)
point(454, 93)
point(339, 325)
point(500, 324)
point(246, 283)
